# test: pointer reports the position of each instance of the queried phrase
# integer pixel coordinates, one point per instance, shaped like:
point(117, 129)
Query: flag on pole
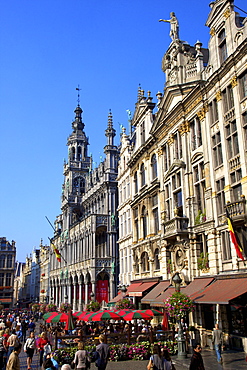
point(238, 248)
point(56, 251)
point(165, 323)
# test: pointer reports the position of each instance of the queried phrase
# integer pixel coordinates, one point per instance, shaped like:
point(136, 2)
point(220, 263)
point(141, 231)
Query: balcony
point(237, 210)
point(177, 226)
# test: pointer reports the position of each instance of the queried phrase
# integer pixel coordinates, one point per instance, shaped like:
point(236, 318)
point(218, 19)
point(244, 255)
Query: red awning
point(155, 292)
point(117, 298)
point(221, 291)
point(137, 291)
point(196, 285)
point(159, 301)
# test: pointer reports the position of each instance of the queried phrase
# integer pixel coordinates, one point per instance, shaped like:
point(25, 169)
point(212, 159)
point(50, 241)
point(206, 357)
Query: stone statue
point(174, 26)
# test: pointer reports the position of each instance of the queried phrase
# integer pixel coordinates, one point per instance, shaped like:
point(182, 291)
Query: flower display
point(42, 308)
point(51, 307)
point(35, 307)
point(118, 352)
point(178, 305)
point(65, 307)
point(93, 306)
point(125, 303)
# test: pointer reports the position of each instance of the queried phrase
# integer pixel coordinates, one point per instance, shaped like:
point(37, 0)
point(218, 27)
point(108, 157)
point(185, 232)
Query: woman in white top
point(29, 348)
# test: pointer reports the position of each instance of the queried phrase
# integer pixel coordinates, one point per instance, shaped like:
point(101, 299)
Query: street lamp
point(180, 338)
point(92, 295)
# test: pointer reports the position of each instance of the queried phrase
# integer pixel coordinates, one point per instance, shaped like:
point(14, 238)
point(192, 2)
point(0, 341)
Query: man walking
point(217, 342)
point(103, 352)
point(13, 361)
point(196, 359)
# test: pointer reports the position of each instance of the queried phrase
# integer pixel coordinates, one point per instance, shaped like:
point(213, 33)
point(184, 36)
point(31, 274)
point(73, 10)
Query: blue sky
point(47, 48)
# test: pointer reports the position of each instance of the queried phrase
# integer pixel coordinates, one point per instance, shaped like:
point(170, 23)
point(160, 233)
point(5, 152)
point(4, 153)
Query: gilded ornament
point(218, 96)
point(160, 152)
point(227, 13)
point(234, 81)
point(201, 114)
point(184, 127)
point(212, 31)
point(170, 140)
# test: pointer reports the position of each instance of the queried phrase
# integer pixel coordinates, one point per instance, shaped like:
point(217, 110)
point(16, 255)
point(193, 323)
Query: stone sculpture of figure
point(174, 26)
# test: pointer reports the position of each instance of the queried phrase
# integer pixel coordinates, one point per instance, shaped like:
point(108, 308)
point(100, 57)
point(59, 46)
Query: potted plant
point(125, 303)
point(51, 307)
point(178, 305)
point(65, 307)
point(93, 306)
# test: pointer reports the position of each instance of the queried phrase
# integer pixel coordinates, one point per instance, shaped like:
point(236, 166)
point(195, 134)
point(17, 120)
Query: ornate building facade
point(188, 165)
point(7, 272)
point(86, 230)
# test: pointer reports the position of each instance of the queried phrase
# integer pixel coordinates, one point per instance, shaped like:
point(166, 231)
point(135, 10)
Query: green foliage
point(201, 217)
point(202, 261)
point(65, 307)
point(51, 307)
point(125, 303)
point(35, 307)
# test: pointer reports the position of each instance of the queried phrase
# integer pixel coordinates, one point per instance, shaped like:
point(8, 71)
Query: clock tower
point(75, 171)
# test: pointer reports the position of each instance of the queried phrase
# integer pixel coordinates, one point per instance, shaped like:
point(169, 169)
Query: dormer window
point(222, 45)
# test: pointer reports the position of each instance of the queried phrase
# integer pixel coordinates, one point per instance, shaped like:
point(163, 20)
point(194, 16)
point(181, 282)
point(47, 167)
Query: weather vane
point(78, 95)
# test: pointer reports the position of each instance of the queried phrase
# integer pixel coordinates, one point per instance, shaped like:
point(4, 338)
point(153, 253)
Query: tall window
point(177, 146)
point(235, 178)
point(244, 120)
point(232, 139)
point(228, 101)
point(243, 85)
point(156, 259)
point(8, 279)
point(142, 132)
point(144, 221)
point(2, 261)
point(168, 201)
point(199, 184)
point(142, 171)
point(201, 241)
point(226, 245)
point(177, 193)
point(220, 184)
point(9, 261)
point(136, 182)
point(144, 262)
point(137, 265)
point(2, 279)
point(196, 133)
point(222, 46)
point(214, 113)
point(135, 211)
point(155, 213)
point(217, 149)
point(167, 157)
point(154, 166)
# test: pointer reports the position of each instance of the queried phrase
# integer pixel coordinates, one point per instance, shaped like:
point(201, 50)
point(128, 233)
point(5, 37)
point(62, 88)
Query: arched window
point(79, 185)
point(142, 171)
point(156, 259)
point(144, 221)
point(136, 182)
point(154, 167)
point(79, 153)
point(144, 262)
point(73, 154)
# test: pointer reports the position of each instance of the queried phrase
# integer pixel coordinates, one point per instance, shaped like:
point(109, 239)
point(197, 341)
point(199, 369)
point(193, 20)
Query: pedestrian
point(217, 342)
point(31, 325)
point(168, 365)
point(13, 361)
point(3, 350)
point(196, 359)
point(66, 367)
point(12, 342)
point(29, 348)
point(43, 340)
point(81, 359)
point(102, 353)
point(156, 361)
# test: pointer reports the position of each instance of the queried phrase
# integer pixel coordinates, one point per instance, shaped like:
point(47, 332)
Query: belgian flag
point(56, 251)
point(238, 248)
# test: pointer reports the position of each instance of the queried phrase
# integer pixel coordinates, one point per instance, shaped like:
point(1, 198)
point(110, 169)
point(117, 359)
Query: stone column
point(80, 297)
point(86, 293)
point(74, 299)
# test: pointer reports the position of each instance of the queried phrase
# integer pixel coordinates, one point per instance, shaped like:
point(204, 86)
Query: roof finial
point(78, 95)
